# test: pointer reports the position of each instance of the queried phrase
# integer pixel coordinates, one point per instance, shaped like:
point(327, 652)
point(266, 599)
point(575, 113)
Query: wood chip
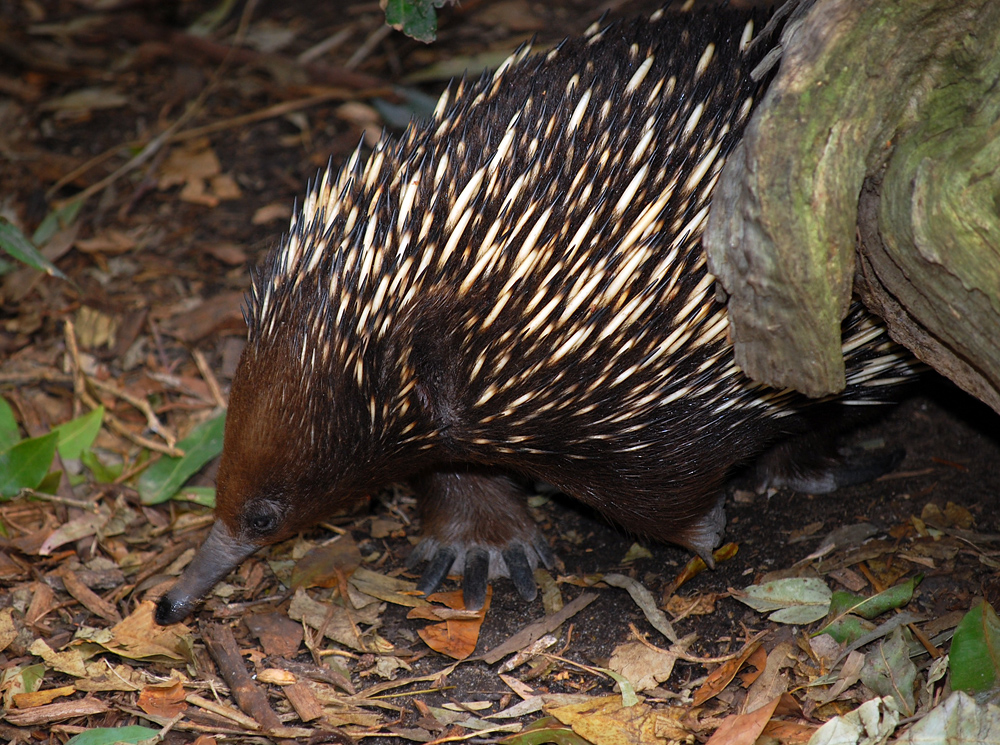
point(88, 598)
point(305, 703)
point(39, 715)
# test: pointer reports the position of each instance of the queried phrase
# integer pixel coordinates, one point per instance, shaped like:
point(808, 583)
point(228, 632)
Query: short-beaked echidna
point(515, 290)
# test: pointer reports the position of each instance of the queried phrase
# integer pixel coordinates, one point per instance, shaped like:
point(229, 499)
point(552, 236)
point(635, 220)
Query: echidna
point(515, 290)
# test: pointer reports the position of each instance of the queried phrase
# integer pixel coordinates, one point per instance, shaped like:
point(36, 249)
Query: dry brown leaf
point(390, 589)
point(757, 661)
point(95, 329)
point(139, 637)
point(88, 598)
point(163, 701)
point(70, 662)
point(789, 733)
point(605, 721)
point(228, 253)
point(702, 604)
point(323, 566)
point(773, 681)
point(101, 676)
point(8, 629)
point(276, 212)
point(744, 729)
point(195, 161)
point(455, 637)
point(644, 666)
point(81, 527)
point(723, 675)
point(40, 698)
point(110, 241)
point(219, 313)
point(336, 622)
point(279, 635)
point(224, 186)
point(952, 516)
point(49, 713)
point(86, 99)
point(43, 600)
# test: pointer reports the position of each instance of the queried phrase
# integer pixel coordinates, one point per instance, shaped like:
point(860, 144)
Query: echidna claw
point(476, 578)
point(520, 573)
point(437, 570)
point(478, 563)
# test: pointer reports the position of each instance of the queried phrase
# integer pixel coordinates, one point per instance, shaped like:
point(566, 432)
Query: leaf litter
point(876, 620)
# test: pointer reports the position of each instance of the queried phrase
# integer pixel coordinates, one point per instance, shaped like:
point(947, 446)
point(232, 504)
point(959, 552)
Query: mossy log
point(882, 124)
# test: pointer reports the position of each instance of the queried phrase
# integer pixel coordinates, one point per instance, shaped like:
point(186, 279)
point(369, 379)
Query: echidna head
point(283, 466)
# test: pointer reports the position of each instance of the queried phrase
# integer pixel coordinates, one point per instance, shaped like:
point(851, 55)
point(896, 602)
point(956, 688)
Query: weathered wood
point(934, 253)
point(855, 78)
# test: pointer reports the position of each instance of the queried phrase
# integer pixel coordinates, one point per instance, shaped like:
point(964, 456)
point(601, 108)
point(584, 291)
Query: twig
point(153, 422)
point(209, 377)
point(374, 39)
point(691, 658)
point(248, 694)
point(78, 504)
point(80, 390)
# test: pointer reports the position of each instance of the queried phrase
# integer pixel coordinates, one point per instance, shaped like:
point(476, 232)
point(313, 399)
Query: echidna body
point(515, 290)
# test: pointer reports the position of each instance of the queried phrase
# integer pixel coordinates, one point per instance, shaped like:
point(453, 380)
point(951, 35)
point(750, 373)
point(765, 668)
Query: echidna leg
point(814, 464)
point(705, 534)
point(476, 524)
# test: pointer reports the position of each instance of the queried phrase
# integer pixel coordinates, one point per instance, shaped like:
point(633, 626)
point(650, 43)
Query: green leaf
point(9, 433)
point(543, 731)
point(25, 465)
point(14, 242)
point(110, 735)
point(55, 221)
point(975, 651)
point(163, 479)
point(102, 474)
point(79, 434)
point(847, 629)
point(50, 484)
point(889, 672)
point(415, 18)
point(843, 624)
point(203, 495)
point(798, 600)
point(32, 677)
point(894, 597)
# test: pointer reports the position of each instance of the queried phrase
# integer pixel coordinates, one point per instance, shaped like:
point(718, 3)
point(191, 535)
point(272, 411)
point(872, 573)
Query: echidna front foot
point(476, 524)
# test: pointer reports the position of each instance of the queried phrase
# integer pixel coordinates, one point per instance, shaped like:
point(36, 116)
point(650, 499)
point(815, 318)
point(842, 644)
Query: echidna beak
point(218, 555)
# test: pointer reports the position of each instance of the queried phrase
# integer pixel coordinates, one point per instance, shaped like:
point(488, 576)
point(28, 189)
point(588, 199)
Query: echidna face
point(279, 472)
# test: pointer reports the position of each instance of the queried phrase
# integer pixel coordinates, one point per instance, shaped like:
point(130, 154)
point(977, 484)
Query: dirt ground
point(158, 260)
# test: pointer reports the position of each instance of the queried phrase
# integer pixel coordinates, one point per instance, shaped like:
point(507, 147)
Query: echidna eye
point(262, 518)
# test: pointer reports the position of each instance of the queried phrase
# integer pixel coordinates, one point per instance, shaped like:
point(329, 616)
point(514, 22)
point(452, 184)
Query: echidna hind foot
point(476, 524)
point(705, 534)
point(815, 465)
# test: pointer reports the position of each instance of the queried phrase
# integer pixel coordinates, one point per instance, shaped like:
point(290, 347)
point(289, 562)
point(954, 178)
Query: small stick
point(209, 377)
point(248, 694)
